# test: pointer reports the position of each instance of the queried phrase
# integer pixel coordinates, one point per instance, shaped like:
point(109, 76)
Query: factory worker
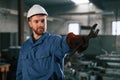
point(42, 55)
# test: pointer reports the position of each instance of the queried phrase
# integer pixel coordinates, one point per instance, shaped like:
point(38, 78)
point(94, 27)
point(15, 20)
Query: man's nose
point(41, 23)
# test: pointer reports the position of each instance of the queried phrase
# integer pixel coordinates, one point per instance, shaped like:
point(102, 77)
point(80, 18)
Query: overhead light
point(80, 1)
point(91, 4)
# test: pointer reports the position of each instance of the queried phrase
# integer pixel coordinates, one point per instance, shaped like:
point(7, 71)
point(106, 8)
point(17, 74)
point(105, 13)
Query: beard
point(39, 31)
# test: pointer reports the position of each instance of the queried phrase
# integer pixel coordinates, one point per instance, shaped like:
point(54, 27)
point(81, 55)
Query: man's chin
point(40, 33)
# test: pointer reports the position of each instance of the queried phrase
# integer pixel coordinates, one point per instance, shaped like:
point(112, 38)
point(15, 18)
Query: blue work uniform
point(44, 59)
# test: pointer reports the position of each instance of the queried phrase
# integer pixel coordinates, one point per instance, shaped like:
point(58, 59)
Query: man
point(42, 56)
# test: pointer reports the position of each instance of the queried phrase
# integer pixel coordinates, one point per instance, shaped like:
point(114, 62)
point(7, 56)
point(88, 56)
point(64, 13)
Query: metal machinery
point(78, 68)
point(112, 69)
point(103, 67)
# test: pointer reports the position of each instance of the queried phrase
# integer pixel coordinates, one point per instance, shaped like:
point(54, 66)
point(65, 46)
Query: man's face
point(38, 24)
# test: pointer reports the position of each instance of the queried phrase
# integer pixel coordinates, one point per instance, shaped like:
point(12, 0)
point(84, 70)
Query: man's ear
point(29, 22)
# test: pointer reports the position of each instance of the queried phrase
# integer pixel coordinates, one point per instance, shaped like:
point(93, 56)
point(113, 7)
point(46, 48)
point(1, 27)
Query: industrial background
point(101, 61)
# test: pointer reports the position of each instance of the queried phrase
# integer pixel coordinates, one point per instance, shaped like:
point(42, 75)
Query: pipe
point(20, 22)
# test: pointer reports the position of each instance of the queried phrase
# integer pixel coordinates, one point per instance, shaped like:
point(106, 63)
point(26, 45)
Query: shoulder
point(26, 44)
point(55, 36)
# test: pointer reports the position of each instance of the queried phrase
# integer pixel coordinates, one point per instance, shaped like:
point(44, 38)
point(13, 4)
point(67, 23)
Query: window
point(116, 28)
point(73, 27)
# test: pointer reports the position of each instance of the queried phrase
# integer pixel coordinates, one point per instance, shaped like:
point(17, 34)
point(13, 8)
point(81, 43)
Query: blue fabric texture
point(39, 60)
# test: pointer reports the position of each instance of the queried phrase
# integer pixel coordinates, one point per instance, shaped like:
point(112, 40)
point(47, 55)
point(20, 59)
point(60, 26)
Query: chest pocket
point(41, 64)
point(25, 60)
point(43, 59)
point(42, 55)
point(23, 57)
point(42, 52)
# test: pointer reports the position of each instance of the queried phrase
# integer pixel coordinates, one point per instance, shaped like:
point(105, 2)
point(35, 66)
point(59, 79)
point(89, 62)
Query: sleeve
point(19, 69)
point(77, 41)
point(59, 46)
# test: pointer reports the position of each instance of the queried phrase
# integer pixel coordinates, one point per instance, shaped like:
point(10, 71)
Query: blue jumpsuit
point(43, 59)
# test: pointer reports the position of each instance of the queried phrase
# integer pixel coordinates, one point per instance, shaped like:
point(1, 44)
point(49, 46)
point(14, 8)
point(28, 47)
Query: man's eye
point(43, 21)
point(36, 21)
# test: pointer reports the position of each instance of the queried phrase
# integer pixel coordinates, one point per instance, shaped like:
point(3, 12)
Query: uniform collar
point(40, 40)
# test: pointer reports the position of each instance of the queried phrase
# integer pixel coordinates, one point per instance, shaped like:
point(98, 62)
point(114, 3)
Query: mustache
point(41, 27)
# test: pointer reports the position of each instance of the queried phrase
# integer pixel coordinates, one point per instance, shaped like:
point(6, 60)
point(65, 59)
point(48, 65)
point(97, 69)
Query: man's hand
point(80, 42)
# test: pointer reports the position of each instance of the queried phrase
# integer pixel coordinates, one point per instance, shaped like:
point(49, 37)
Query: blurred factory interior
point(101, 61)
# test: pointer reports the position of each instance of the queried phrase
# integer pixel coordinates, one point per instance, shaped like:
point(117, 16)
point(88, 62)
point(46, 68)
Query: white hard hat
point(36, 9)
